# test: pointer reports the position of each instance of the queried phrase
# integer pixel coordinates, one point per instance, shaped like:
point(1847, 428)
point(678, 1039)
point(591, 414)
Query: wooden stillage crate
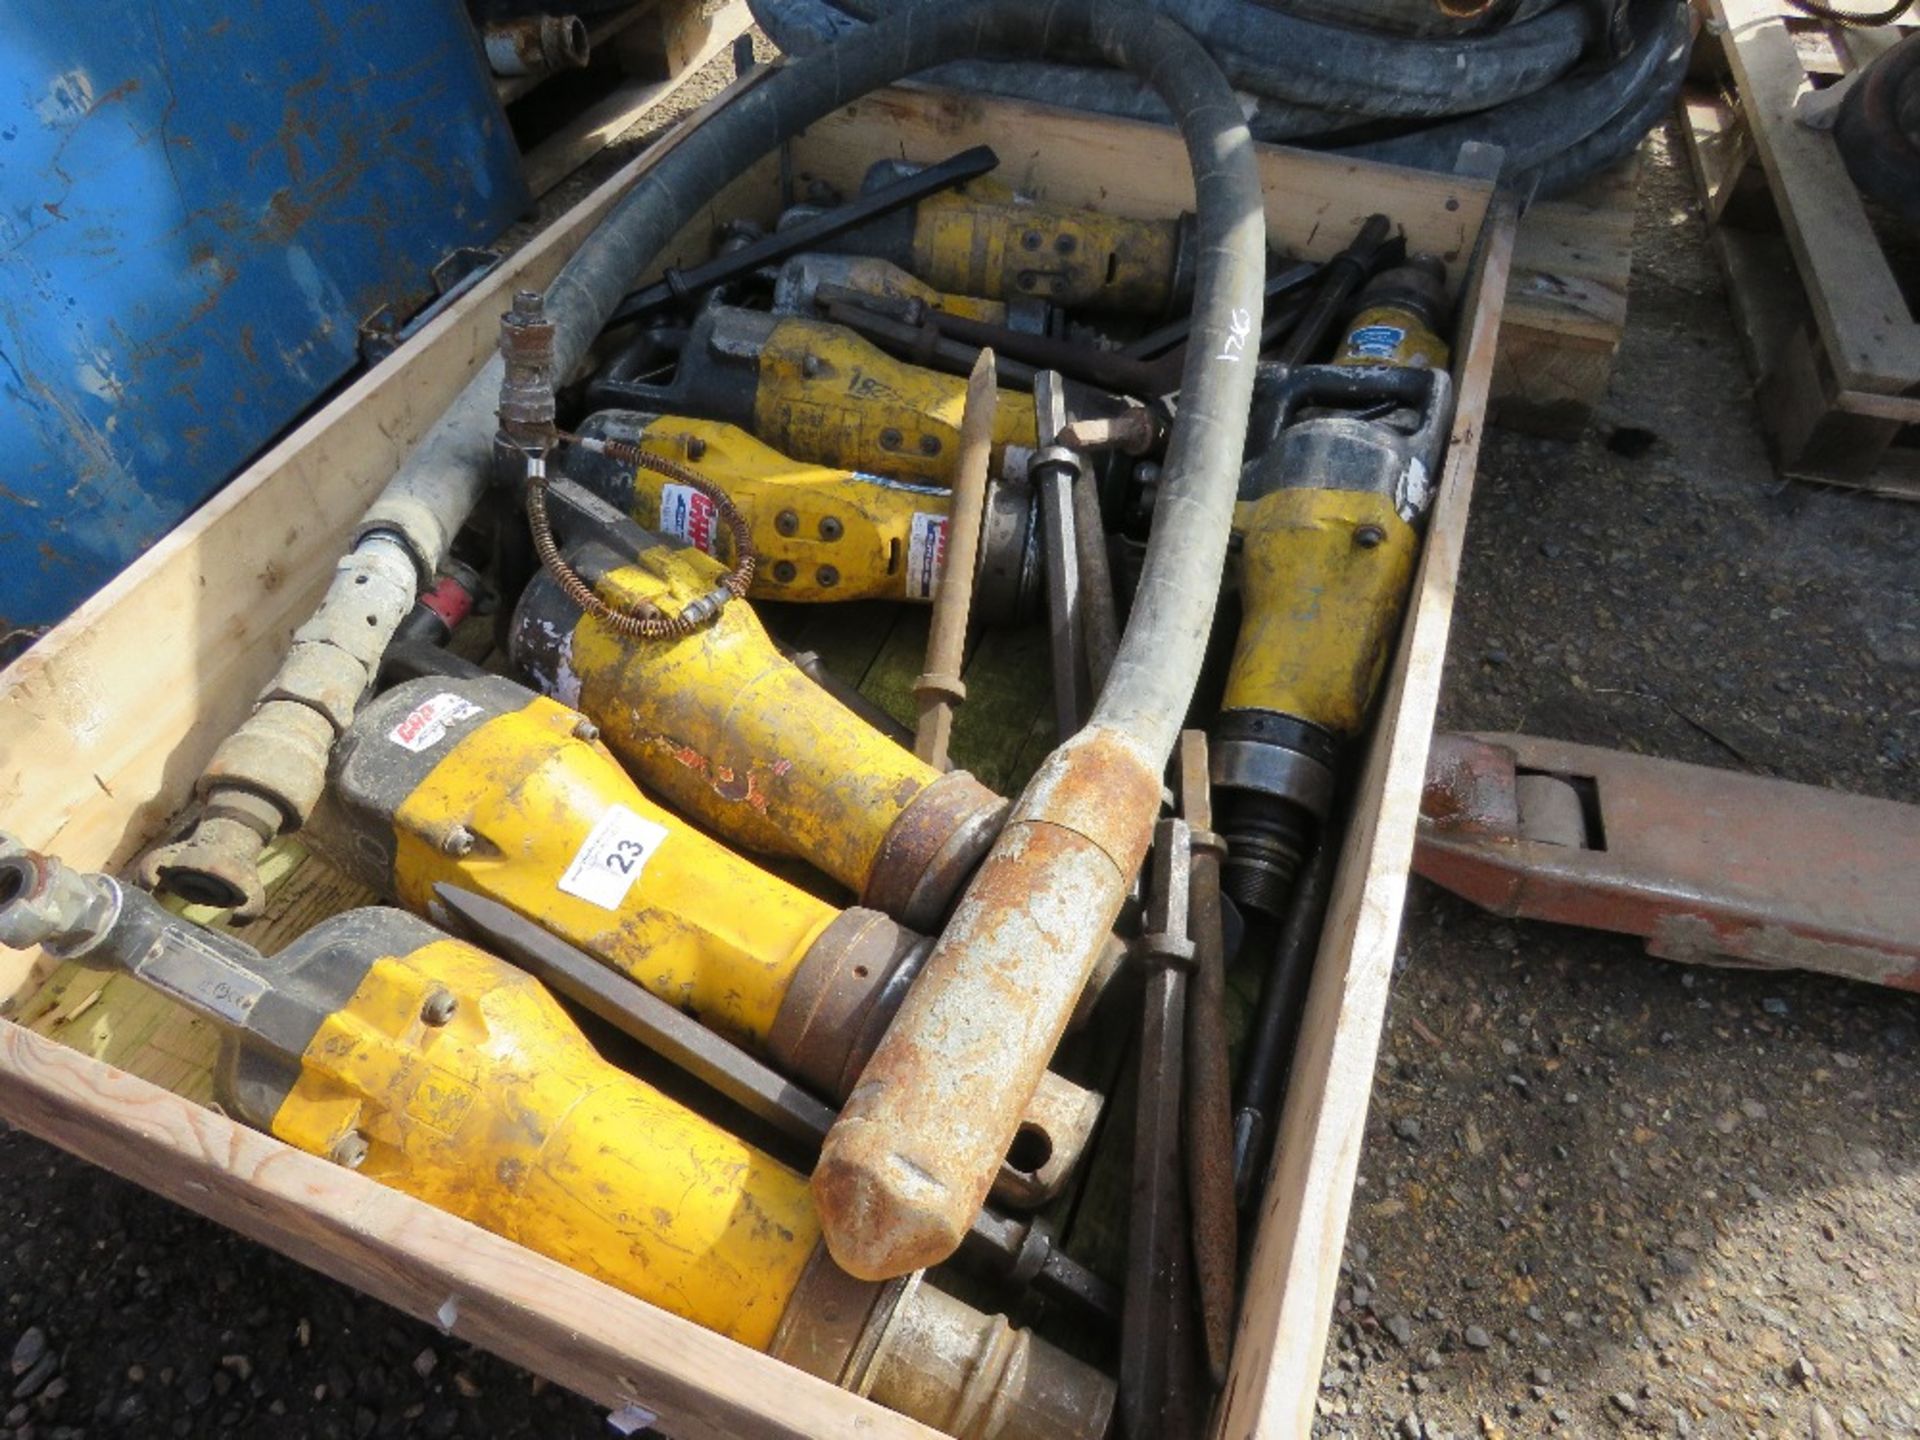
point(105, 725)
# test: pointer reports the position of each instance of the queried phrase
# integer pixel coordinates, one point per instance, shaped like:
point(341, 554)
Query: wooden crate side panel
point(1315, 203)
point(1281, 1340)
point(608, 1346)
point(106, 723)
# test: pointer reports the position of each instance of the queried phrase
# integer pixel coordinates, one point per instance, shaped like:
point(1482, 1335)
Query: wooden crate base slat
point(1566, 306)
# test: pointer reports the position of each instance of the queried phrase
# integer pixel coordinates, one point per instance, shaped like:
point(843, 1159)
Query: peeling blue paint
point(200, 200)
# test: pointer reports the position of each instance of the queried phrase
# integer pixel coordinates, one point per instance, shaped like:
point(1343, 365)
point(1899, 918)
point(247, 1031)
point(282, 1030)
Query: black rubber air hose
point(1415, 17)
point(1280, 57)
point(1878, 129)
point(1535, 128)
point(1552, 137)
point(1621, 135)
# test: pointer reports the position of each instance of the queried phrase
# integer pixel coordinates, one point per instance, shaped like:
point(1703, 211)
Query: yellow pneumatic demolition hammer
point(815, 391)
point(820, 533)
point(475, 782)
point(983, 238)
point(732, 733)
point(378, 1042)
point(1329, 521)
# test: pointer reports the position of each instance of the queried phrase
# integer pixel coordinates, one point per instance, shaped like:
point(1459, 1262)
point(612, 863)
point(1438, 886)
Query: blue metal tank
point(200, 201)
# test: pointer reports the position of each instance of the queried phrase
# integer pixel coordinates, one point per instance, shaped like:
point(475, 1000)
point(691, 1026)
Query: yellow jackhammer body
point(1328, 522)
point(732, 733)
point(476, 783)
point(432, 1067)
point(984, 238)
point(818, 392)
point(820, 533)
point(1397, 319)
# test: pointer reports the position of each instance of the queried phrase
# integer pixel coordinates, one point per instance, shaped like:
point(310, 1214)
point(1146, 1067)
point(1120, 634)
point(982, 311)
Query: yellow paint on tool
point(1392, 334)
point(873, 276)
point(1321, 608)
point(826, 393)
point(877, 537)
point(696, 924)
point(983, 239)
point(716, 721)
point(506, 1117)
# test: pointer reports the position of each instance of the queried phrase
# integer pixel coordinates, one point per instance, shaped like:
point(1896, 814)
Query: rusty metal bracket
point(1707, 866)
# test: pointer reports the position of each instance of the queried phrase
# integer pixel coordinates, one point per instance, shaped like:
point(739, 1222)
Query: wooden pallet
point(1566, 306)
point(641, 57)
point(1829, 333)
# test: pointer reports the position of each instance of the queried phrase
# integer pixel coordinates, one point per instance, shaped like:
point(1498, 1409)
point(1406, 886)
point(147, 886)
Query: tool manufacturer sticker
point(689, 515)
point(183, 964)
point(611, 858)
point(1376, 342)
point(926, 554)
point(426, 724)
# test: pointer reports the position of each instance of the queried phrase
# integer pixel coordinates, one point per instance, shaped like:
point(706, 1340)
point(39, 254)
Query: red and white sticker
point(611, 858)
point(426, 724)
point(926, 554)
point(690, 515)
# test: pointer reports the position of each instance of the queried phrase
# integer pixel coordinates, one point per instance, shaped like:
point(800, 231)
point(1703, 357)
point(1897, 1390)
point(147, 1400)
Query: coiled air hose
point(1532, 87)
point(1534, 129)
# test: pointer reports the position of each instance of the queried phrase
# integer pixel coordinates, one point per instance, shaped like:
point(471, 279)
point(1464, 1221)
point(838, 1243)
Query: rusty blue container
point(200, 202)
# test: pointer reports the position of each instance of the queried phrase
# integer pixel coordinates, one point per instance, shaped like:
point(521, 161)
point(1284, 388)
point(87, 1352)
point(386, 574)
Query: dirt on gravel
point(1600, 1193)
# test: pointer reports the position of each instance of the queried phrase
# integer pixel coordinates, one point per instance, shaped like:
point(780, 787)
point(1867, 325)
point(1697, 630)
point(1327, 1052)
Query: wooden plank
point(1295, 1265)
point(1719, 148)
point(196, 626)
point(605, 121)
point(536, 1312)
point(1817, 432)
point(1315, 203)
point(1566, 305)
point(1763, 293)
point(1866, 329)
point(1814, 436)
point(1571, 259)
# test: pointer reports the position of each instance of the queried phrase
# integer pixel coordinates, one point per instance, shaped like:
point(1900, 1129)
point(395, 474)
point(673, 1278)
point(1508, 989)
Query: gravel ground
point(1600, 1193)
